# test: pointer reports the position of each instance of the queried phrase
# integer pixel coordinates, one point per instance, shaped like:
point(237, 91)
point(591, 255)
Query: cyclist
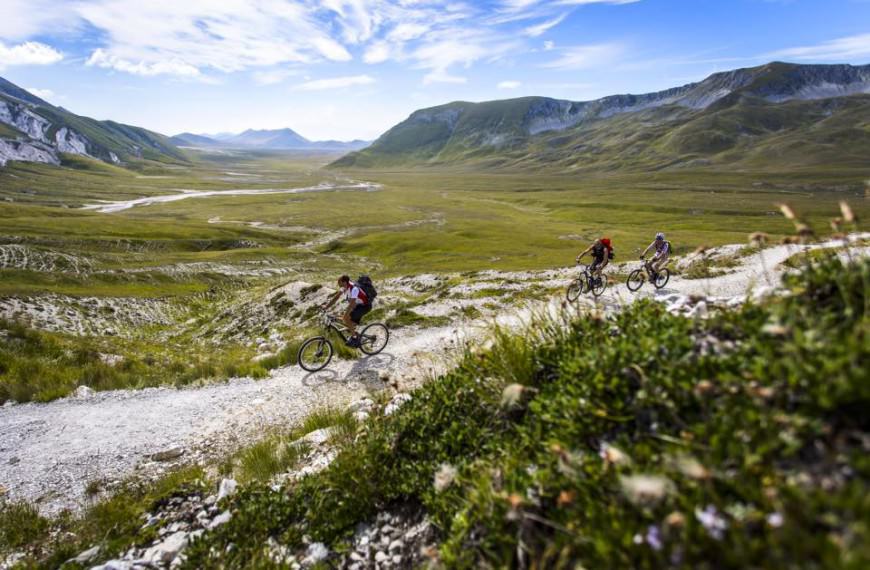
point(358, 305)
point(662, 252)
point(602, 253)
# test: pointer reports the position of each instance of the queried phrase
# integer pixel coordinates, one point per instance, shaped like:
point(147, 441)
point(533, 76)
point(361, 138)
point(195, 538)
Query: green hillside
point(774, 116)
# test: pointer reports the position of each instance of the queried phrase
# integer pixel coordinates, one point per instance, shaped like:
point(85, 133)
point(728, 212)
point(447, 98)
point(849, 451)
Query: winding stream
point(108, 206)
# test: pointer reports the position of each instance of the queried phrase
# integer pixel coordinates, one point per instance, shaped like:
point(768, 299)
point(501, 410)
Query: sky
point(346, 69)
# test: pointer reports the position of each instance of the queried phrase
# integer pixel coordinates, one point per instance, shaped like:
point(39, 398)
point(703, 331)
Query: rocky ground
point(49, 453)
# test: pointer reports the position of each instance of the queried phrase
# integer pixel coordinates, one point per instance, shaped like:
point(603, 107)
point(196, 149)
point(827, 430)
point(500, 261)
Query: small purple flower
point(712, 521)
point(653, 538)
point(775, 520)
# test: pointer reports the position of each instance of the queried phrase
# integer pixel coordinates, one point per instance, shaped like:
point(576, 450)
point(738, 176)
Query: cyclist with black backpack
point(602, 253)
point(359, 297)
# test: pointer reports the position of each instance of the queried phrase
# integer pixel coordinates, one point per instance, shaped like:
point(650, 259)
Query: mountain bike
point(316, 352)
point(586, 283)
point(638, 277)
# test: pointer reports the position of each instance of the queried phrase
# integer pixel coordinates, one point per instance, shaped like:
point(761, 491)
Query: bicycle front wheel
point(662, 278)
point(374, 338)
point(574, 290)
point(315, 354)
point(635, 280)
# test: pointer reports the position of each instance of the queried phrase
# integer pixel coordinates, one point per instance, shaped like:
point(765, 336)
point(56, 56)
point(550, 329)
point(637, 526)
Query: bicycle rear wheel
point(635, 280)
point(662, 278)
point(374, 338)
point(315, 354)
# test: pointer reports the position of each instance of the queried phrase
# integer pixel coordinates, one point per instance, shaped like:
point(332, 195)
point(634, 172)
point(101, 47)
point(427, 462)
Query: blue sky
point(352, 68)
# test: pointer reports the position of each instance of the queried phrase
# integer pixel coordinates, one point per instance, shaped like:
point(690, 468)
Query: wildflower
point(566, 498)
point(613, 455)
point(848, 215)
point(703, 388)
point(511, 395)
point(712, 521)
point(787, 212)
point(645, 489)
point(692, 468)
point(758, 239)
point(653, 537)
point(444, 477)
point(675, 519)
point(775, 520)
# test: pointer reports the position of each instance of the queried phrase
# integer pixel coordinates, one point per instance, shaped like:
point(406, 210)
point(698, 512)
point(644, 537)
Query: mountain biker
point(601, 250)
point(358, 305)
point(662, 252)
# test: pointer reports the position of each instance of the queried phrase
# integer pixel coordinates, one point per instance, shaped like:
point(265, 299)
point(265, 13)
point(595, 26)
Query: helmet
point(660, 235)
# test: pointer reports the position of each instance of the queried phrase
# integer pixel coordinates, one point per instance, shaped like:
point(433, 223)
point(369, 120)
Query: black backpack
point(364, 282)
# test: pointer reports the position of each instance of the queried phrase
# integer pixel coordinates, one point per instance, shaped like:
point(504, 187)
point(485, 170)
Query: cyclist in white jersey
point(662, 252)
point(358, 305)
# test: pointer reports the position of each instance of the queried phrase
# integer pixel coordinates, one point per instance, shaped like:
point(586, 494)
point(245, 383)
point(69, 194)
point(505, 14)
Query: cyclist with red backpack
point(359, 297)
point(602, 253)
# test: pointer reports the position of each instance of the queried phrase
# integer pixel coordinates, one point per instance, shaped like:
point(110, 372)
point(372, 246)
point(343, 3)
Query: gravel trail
point(49, 453)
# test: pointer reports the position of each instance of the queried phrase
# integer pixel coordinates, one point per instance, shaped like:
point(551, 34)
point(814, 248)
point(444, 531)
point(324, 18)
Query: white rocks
point(222, 518)
point(87, 555)
point(317, 552)
point(226, 488)
point(395, 403)
point(166, 551)
point(83, 393)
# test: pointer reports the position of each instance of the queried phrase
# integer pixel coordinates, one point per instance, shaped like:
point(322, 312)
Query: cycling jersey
point(662, 248)
point(599, 251)
point(354, 293)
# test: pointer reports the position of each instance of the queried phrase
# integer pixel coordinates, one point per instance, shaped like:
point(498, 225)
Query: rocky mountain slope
point(269, 139)
point(34, 130)
point(781, 113)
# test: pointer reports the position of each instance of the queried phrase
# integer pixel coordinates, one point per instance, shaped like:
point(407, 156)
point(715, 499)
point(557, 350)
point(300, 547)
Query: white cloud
point(548, 45)
point(584, 57)
point(509, 85)
point(28, 53)
point(174, 66)
point(273, 76)
point(540, 29)
point(842, 49)
point(336, 83)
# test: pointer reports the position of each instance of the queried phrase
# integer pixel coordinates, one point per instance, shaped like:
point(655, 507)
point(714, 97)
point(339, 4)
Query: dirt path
point(49, 453)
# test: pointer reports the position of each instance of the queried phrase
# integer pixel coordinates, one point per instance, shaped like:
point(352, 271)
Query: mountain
point(778, 114)
point(34, 130)
point(277, 139)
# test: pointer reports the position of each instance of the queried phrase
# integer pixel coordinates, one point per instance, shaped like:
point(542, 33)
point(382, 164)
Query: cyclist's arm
point(650, 246)
point(584, 252)
point(332, 300)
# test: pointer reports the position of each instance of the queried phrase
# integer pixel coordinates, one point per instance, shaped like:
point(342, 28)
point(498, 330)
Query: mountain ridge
point(265, 139)
point(525, 130)
point(34, 130)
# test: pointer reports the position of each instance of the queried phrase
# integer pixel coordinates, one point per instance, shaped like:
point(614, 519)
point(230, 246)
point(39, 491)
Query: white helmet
point(660, 235)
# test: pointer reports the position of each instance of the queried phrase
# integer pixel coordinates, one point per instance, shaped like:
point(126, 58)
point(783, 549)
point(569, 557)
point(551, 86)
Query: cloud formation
point(28, 53)
point(840, 49)
point(336, 83)
point(197, 38)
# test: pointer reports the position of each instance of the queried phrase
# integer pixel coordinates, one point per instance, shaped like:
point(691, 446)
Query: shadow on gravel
point(364, 370)
point(315, 379)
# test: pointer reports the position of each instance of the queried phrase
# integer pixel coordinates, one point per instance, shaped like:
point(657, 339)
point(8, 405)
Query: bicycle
point(316, 352)
point(638, 277)
point(585, 283)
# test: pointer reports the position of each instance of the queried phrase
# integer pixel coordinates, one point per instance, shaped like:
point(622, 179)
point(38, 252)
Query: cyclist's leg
point(356, 318)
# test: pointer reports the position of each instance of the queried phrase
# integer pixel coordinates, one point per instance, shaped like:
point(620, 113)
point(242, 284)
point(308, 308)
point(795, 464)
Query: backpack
point(670, 248)
point(610, 254)
point(364, 282)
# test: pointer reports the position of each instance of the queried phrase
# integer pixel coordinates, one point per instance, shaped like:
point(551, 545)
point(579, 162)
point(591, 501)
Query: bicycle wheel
point(662, 278)
point(635, 280)
point(574, 290)
point(599, 284)
point(314, 354)
point(374, 338)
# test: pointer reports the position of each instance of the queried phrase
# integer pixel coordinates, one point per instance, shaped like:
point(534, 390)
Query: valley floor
point(51, 454)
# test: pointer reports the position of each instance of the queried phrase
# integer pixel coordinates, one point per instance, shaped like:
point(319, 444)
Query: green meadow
point(425, 220)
